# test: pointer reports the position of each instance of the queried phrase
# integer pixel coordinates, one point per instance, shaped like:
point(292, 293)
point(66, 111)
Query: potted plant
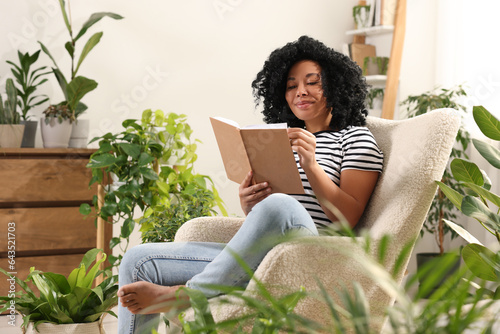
point(151, 162)
point(28, 81)
point(482, 261)
point(11, 132)
point(77, 86)
point(375, 65)
point(64, 303)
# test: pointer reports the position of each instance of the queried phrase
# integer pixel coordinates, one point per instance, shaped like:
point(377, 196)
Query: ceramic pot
point(87, 328)
point(79, 133)
point(29, 133)
point(55, 134)
point(11, 135)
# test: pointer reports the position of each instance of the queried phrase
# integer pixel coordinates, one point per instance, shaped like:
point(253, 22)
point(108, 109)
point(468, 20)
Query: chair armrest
point(209, 229)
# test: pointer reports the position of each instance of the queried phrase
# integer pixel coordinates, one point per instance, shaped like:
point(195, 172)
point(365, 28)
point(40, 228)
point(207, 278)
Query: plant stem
point(441, 224)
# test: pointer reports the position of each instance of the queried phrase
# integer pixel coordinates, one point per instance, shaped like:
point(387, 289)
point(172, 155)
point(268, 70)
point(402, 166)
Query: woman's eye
point(313, 83)
point(291, 87)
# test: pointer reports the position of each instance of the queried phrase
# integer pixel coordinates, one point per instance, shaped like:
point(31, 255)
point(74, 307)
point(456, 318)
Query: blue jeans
point(200, 264)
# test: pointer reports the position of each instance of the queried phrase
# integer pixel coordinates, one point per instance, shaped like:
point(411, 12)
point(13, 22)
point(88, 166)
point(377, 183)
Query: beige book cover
point(264, 149)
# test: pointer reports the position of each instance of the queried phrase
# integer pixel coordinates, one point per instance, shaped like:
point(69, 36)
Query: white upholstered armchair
point(416, 152)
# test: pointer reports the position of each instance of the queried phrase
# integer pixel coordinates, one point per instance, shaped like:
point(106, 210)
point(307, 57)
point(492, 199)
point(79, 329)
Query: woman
point(320, 93)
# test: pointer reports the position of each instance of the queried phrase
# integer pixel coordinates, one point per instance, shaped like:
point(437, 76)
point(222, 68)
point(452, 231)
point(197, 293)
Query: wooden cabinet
point(40, 223)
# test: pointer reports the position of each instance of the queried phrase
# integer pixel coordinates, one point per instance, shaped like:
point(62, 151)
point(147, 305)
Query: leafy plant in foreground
point(480, 202)
point(64, 300)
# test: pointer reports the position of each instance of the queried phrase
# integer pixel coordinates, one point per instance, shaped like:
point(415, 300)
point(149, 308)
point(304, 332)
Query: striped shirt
point(336, 151)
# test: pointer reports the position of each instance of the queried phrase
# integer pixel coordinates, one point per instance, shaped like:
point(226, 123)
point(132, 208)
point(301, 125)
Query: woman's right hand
point(251, 194)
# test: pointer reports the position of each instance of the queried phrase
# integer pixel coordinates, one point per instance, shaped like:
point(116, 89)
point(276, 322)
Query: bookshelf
point(391, 80)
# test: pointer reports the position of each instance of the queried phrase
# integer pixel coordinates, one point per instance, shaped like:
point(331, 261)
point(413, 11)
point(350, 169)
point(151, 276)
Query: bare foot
point(148, 298)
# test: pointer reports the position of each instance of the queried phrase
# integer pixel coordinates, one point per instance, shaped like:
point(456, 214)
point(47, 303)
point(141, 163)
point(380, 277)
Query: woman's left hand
point(304, 143)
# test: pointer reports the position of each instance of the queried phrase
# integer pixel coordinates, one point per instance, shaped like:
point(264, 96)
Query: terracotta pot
point(55, 134)
point(11, 135)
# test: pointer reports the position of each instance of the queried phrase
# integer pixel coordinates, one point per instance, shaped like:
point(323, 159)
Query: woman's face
point(304, 95)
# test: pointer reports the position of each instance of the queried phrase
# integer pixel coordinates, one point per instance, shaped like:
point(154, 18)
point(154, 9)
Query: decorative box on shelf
point(40, 222)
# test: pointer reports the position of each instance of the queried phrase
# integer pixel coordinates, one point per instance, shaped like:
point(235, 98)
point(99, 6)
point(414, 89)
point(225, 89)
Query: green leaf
point(77, 89)
point(484, 193)
point(454, 196)
point(85, 209)
point(474, 257)
point(132, 150)
point(65, 16)
point(487, 151)
point(145, 159)
point(474, 208)
point(466, 171)
point(69, 47)
point(93, 41)
point(127, 227)
point(486, 122)
point(148, 173)
point(62, 82)
point(462, 232)
point(101, 160)
point(59, 282)
point(93, 19)
point(46, 51)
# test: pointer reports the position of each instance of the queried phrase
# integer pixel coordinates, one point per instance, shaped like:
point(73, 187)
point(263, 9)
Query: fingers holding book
point(252, 193)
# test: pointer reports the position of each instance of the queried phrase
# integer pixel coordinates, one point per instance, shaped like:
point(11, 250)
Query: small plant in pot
point(28, 81)
point(78, 86)
point(441, 208)
point(11, 132)
point(64, 303)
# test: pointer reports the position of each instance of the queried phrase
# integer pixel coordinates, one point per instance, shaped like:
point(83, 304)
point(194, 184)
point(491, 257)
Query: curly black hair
point(343, 85)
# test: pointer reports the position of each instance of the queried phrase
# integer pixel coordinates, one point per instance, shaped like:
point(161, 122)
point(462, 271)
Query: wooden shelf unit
point(391, 81)
point(41, 192)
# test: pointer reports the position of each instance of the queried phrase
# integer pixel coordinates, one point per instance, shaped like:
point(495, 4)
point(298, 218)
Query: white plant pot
point(11, 135)
point(48, 328)
point(79, 133)
point(55, 134)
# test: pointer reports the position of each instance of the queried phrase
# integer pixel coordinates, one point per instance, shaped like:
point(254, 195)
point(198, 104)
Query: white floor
point(110, 325)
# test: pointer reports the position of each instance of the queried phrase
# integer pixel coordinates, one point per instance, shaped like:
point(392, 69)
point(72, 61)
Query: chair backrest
point(416, 152)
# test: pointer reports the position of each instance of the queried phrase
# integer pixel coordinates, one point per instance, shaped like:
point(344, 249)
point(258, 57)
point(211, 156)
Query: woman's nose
point(301, 90)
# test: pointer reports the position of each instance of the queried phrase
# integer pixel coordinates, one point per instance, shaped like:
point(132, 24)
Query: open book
point(264, 149)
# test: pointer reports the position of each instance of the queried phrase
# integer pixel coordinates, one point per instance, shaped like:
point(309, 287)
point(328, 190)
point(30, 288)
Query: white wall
point(199, 57)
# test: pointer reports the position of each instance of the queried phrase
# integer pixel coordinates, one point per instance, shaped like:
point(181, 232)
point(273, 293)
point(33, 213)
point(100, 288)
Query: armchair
point(416, 152)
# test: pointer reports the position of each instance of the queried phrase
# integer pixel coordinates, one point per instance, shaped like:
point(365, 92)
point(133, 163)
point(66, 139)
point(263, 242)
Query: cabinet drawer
point(45, 180)
point(60, 230)
point(60, 264)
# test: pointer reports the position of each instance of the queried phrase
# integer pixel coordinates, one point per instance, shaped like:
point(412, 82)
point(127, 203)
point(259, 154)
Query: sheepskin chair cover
point(416, 152)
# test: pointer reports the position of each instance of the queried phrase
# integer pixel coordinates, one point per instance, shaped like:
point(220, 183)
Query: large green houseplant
point(63, 300)
point(441, 207)
point(74, 87)
point(151, 162)
point(11, 132)
point(28, 80)
point(480, 203)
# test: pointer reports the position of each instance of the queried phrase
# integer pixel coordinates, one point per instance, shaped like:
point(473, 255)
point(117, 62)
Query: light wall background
point(199, 57)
